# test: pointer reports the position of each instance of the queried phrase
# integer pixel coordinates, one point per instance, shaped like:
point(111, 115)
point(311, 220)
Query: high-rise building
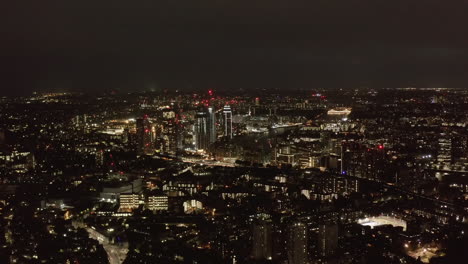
point(169, 133)
point(227, 112)
point(297, 244)
point(327, 239)
point(204, 128)
point(211, 125)
point(262, 240)
point(201, 130)
point(144, 143)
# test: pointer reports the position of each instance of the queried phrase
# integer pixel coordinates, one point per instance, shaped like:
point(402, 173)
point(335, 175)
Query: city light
point(244, 176)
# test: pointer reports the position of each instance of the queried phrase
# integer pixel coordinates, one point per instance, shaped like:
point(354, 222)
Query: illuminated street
point(116, 253)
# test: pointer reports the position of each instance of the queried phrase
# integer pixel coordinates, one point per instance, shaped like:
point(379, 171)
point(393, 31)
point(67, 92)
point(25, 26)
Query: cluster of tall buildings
point(205, 129)
point(165, 135)
point(162, 136)
point(294, 240)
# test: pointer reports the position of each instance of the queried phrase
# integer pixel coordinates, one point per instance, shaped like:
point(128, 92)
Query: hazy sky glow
point(134, 45)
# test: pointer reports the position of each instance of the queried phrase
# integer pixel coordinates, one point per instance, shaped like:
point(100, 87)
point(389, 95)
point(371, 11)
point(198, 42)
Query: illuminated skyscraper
point(144, 143)
point(169, 133)
point(227, 112)
point(201, 127)
point(297, 244)
point(204, 128)
point(211, 125)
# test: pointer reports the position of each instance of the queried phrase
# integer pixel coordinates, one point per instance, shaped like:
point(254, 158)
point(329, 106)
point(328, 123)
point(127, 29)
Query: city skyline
point(234, 132)
point(329, 176)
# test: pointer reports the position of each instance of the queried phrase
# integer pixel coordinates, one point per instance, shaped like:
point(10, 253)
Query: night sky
point(140, 44)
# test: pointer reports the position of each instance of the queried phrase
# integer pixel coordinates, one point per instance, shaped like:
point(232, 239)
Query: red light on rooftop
point(380, 147)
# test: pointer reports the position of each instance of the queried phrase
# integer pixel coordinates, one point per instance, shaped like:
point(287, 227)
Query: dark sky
point(143, 44)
